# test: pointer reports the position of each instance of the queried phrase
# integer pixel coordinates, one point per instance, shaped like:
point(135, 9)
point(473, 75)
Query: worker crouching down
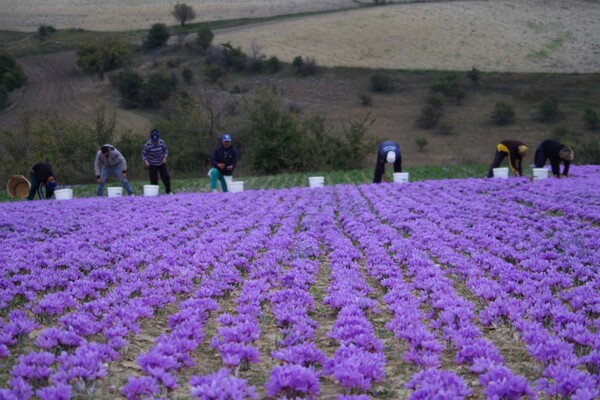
point(388, 153)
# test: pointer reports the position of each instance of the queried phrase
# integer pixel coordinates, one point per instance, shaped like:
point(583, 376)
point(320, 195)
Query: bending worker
point(110, 161)
point(555, 152)
point(515, 151)
point(388, 152)
point(41, 176)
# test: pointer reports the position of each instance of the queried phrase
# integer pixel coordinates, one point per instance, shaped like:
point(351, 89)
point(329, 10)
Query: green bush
point(157, 89)
point(103, 56)
point(157, 36)
point(449, 86)
point(11, 73)
point(297, 63)
point(421, 142)
point(365, 99)
point(436, 102)
point(380, 82)
point(234, 56)
point(187, 75)
point(429, 118)
point(204, 38)
point(129, 84)
point(503, 114)
point(591, 118)
point(549, 110)
point(474, 75)
point(273, 64)
point(213, 73)
point(588, 154)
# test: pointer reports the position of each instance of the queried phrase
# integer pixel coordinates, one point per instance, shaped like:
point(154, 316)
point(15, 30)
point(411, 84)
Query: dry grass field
point(508, 37)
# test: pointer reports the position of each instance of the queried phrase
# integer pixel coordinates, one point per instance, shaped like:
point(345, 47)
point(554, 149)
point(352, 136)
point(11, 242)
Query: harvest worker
point(556, 152)
point(154, 156)
point(109, 161)
point(223, 161)
point(41, 176)
point(515, 151)
point(389, 152)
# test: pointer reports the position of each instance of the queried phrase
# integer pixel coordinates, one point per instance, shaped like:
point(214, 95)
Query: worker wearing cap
point(388, 153)
point(223, 162)
point(41, 177)
point(109, 161)
point(515, 151)
point(555, 152)
point(154, 156)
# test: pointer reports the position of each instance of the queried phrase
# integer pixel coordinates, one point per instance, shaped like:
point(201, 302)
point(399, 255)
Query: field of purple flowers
point(445, 289)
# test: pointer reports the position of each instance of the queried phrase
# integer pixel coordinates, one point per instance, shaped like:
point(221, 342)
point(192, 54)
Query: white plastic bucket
point(150, 190)
point(235, 187)
point(228, 179)
point(401, 177)
point(501, 173)
point(316, 182)
point(540, 173)
point(115, 191)
point(63, 194)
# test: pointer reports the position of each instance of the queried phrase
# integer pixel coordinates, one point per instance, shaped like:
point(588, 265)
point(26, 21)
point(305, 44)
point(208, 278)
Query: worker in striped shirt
point(154, 156)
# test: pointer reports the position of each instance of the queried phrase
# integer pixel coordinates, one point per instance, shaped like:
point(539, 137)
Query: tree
point(503, 113)
point(157, 36)
point(183, 13)
point(11, 73)
point(103, 56)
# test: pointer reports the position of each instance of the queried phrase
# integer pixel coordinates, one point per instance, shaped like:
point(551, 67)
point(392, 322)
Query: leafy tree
point(273, 64)
point(183, 13)
point(103, 56)
point(449, 87)
point(297, 63)
point(11, 73)
point(204, 38)
point(4, 100)
point(503, 113)
point(274, 134)
point(158, 35)
point(45, 30)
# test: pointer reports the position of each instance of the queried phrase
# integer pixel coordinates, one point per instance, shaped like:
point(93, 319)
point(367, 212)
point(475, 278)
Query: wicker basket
point(18, 187)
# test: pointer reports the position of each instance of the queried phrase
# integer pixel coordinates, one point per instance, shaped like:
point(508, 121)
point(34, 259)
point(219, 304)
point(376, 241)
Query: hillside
point(560, 35)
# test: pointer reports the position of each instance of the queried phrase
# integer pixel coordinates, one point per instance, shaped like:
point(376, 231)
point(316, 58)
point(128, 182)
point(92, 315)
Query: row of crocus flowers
point(81, 279)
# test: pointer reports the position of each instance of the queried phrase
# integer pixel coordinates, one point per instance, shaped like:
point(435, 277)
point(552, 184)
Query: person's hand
point(220, 165)
point(230, 168)
point(125, 175)
point(98, 181)
point(164, 161)
point(146, 163)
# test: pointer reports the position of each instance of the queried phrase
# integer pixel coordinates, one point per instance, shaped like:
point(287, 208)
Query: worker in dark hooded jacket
point(223, 162)
point(41, 177)
point(555, 152)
